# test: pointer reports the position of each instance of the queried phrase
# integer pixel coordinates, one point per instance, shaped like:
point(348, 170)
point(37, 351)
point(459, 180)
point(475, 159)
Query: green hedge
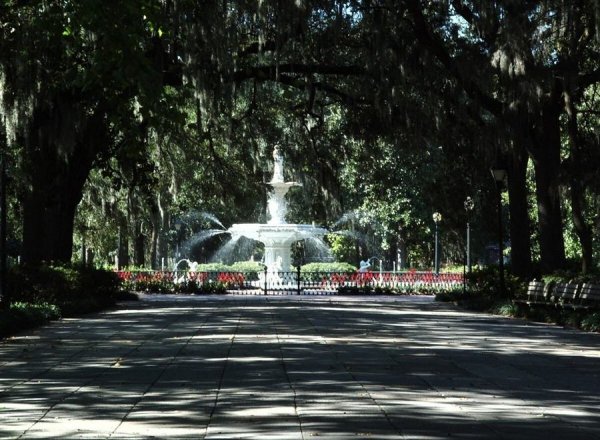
point(247, 266)
point(213, 267)
point(20, 316)
point(73, 289)
point(311, 271)
point(329, 267)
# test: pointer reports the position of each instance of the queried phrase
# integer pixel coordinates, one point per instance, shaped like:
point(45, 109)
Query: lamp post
point(469, 205)
point(437, 217)
point(499, 174)
point(177, 228)
point(4, 300)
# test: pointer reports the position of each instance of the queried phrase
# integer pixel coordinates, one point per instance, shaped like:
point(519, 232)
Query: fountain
point(276, 234)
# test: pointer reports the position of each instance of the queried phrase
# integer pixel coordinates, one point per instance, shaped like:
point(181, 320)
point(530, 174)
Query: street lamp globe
point(469, 204)
point(499, 174)
point(437, 217)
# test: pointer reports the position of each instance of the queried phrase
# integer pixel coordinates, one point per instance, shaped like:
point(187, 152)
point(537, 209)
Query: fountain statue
point(276, 234)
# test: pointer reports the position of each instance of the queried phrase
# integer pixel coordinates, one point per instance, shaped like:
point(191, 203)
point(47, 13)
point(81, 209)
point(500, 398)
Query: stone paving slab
point(293, 367)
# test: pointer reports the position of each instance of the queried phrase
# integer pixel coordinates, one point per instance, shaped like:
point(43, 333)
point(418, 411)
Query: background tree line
point(120, 119)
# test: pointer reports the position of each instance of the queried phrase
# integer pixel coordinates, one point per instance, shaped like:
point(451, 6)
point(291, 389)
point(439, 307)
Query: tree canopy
point(121, 120)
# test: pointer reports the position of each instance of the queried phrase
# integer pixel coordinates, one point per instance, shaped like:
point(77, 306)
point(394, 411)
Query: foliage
point(485, 281)
point(21, 315)
point(73, 289)
point(38, 294)
point(566, 276)
point(343, 247)
point(390, 110)
point(250, 269)
point(183, 282)
point(506, 308)
point(587, 320)
point(247, 266)
point(329, 267)
point(470, 299)
point(214, 267)
point(591, 322)
point(386, 290)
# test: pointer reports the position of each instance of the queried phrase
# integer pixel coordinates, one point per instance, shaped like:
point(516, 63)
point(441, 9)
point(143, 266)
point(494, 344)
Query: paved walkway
point(299, 368)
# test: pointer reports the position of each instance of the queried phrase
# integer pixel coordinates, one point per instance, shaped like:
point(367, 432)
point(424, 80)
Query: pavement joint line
point(287, 376)
point(443, 374)
point(222, 375)
point(354, 378)
point(436, 390)
point(63, 361)
point(90, 380)
point(160, 374)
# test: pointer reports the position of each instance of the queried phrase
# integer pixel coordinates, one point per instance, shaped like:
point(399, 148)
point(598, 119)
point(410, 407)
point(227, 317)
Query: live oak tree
point(195, 93)
point(522, 63)
point(74, 76)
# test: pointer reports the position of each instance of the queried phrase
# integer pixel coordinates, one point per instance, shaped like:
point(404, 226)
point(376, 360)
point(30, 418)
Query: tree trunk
point(123, 251)
point(154, 258)
point(89, 257)
point(519, 225)
point(58, 157)
point(163, 243)
point(155, 219)
point(577, 188)
point(402, 253)
point(139, 246)
point(48, 224)
point(546, 160)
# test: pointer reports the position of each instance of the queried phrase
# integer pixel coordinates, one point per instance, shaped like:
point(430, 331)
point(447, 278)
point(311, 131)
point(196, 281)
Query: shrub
point(312, 271)
point(571, 318)
point(247, 266)
point(73, 289)
point(250, 269)
point(212, 288)
point(506, 308)
point(485, 281)
point(213, 267)
point(471, 299)
point(328, 267)
point(591, 322)
point(20, 316)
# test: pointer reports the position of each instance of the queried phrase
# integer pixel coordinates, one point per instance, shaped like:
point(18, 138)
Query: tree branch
point(437, 48)
point(589, 78)
point(272, 72)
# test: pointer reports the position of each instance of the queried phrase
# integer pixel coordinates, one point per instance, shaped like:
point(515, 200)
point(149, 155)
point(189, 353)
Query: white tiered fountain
point(276, 234)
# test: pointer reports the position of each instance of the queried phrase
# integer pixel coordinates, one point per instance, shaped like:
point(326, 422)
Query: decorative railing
point(296, 282)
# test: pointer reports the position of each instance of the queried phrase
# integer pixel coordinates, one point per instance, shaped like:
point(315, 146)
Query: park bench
point(537, 293)
point(564, 294)
point(589, 297)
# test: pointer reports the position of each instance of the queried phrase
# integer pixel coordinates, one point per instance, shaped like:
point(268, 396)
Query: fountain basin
point(277, 239)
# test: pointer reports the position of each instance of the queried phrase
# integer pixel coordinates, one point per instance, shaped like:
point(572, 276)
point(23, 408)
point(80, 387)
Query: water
point(276, 235)
point(315, 249)
point(200, 219)
point(344, 219)
point(199, 238)
point(238, 248)
point(212, 218)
